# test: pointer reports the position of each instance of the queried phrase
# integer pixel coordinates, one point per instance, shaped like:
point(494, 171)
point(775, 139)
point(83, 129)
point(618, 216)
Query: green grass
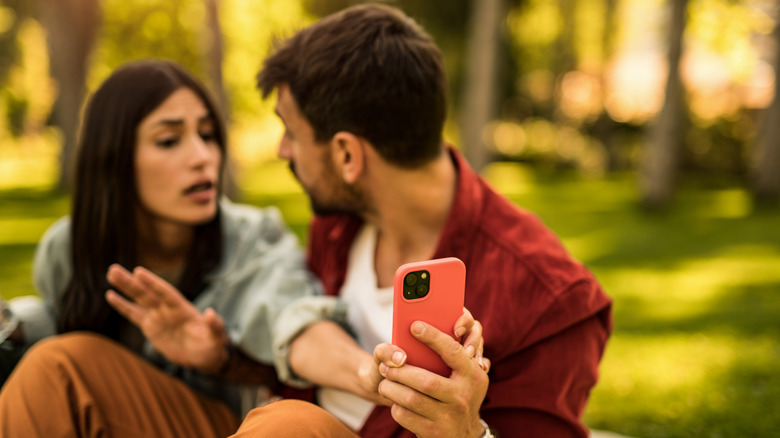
point(24, 216)
point(695, 350)
point(696, 346)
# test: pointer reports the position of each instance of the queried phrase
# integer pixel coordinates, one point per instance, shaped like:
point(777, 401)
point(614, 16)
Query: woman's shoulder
point(249, 230)
point(243, 220)
point(57, 236)
point(51, 263)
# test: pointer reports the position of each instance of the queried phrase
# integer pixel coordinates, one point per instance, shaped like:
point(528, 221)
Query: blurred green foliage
point(591, 69)
point(137, 29)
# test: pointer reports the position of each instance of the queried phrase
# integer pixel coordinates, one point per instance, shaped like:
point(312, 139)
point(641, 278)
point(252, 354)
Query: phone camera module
point(416, 285)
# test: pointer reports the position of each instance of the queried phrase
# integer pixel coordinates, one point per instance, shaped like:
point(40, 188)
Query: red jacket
point(546, 319)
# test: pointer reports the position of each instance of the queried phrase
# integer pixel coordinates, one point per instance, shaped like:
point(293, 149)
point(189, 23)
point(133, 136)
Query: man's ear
point(349, 155)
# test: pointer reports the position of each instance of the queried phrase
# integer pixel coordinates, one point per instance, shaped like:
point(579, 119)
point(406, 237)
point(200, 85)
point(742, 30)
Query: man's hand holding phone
point(427, 403)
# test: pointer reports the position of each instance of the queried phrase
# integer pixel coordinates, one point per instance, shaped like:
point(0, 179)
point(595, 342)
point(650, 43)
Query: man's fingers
point(463, 324)
point(125, 281)
point(132, 312)
point(417, 424)
point(474, 342)
point(452, 353)
point(467, 325)
point(418, 403)
point(485, 364)
point(389, 355)
point(386, 356)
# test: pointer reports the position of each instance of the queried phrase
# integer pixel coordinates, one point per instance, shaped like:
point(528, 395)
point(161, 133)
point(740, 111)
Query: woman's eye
point(208, 136)
point(168, 142)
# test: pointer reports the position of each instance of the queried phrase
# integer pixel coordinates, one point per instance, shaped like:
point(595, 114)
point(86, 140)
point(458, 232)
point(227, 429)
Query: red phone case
point(441, 307)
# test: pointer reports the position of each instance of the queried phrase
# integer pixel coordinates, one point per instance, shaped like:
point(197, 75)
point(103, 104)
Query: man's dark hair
point(369, 70)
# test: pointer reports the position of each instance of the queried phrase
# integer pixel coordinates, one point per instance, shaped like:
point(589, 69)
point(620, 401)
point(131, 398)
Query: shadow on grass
point(736, 399)
point(745, 310)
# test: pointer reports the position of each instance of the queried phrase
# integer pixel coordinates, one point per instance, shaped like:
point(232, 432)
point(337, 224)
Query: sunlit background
point(646, 138)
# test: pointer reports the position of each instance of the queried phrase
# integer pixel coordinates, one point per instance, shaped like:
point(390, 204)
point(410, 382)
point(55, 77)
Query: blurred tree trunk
point(481, 78)
point(214, 57)
point(604, 127)
point(71, 27)
point(666, 136)
point(564, 57)
point(565, 53)
point(766, 165)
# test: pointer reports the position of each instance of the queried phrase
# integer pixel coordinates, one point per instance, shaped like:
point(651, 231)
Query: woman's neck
point(163, 246)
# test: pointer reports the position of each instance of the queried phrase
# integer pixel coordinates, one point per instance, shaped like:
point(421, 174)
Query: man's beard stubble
point(346, 199)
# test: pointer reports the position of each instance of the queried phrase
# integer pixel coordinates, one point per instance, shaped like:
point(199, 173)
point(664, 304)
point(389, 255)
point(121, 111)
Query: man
point(362, 95)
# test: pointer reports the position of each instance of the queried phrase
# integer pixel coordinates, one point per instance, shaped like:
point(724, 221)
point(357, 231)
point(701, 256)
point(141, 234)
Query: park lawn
point(696, 344)
point(24, 216)
point(695, 350)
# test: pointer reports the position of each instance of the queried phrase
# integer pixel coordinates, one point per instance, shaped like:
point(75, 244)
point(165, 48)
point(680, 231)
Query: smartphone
point(431, 291)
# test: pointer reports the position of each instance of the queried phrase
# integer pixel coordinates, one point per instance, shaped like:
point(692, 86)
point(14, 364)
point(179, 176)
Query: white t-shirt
point(370, 313)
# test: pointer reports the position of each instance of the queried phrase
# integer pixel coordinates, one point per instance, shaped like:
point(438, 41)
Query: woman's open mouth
point(201, 192)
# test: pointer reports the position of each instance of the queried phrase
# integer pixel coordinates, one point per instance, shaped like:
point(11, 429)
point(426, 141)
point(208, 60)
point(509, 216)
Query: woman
point(215, 274)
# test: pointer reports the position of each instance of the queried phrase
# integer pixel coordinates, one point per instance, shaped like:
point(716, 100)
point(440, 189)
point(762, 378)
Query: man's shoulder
point(534, 277)
point(523, 244)
point(513, 228)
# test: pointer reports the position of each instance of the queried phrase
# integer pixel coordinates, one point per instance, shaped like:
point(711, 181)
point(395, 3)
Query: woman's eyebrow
point(169, 122)
point(178, 122)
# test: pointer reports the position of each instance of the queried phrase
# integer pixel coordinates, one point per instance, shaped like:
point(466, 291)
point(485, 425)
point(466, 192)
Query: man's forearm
point(324, 354)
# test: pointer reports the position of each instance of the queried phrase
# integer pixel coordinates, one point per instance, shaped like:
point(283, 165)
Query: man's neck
point(411, 210)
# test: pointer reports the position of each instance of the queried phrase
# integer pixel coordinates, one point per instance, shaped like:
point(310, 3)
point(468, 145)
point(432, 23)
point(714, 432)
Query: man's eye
point(168, 142)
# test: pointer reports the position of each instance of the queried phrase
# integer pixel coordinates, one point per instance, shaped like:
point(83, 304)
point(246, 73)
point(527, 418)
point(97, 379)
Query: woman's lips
point(201, 192)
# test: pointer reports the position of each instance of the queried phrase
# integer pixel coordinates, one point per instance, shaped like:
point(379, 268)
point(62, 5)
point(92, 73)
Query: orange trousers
point(85, 385)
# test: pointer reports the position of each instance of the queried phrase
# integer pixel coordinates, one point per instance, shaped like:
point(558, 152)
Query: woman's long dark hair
point(103, 226)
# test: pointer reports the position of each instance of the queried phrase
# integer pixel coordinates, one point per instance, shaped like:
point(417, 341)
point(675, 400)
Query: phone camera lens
point(411, 279)
point(422, 290)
